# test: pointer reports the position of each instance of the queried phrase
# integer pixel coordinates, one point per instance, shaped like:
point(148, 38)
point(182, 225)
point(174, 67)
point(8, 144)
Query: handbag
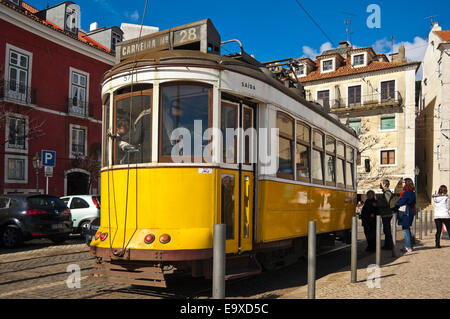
point(401, 212)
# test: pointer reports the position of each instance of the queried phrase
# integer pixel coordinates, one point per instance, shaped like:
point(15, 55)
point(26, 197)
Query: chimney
point(343, 44)
point(93, 26)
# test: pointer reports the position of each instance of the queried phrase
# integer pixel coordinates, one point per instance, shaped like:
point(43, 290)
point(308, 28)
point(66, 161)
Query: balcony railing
point(79, 107)
point(371, 100)
point(14, 91)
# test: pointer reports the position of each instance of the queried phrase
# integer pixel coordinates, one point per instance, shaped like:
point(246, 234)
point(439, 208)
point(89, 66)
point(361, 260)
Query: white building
point(433, 123)
point(376, 97)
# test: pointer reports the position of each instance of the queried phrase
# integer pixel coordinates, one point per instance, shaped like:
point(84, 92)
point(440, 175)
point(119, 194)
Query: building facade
point(376, 97)
point(433, 121)
point(50, 99)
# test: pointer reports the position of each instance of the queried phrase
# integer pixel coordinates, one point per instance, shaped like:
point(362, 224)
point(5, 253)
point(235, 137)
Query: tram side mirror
point(367, 165)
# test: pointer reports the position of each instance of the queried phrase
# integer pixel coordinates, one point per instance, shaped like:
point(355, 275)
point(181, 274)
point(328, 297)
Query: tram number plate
point(186, 35)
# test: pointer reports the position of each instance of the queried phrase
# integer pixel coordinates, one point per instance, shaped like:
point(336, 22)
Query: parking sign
point(48, 158)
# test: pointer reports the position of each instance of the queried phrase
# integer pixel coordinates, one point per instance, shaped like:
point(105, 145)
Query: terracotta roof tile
point(30, 12)
point(347, 69)
point(444, 35)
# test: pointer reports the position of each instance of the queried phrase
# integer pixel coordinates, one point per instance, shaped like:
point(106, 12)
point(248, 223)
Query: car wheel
point(83, 228)
point(59, 239)
point(11, 236)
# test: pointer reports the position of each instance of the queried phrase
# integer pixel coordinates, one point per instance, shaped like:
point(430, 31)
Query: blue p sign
point(48, 158)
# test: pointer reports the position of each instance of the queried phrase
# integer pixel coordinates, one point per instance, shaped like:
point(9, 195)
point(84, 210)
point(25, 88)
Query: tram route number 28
point(191, 34)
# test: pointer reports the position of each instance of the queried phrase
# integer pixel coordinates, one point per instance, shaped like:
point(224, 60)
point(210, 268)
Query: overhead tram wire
point(122, 251)
point(314, 21)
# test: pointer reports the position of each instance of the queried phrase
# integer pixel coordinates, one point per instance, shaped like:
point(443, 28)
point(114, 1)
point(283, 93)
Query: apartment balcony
point(79, 108)
point(16, 92)
point(361, 103)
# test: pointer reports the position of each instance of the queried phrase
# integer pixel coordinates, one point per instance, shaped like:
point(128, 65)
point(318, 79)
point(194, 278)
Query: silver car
point(84, 208)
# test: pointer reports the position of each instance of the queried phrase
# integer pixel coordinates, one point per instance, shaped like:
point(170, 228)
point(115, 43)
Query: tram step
point(253, 267)
point(130, 273)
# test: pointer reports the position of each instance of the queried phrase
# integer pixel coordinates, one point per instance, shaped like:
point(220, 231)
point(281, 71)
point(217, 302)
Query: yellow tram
point(162, 193)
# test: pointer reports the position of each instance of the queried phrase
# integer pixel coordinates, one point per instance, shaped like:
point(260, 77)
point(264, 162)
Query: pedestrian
point(406, 209)
point(441, 212)
point(385, 211)
point(368, 218)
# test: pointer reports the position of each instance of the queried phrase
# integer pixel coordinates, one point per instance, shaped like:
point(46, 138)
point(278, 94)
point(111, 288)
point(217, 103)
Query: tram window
point(350, 156)
point(340, 164)
point(317, 158)
point(340, 172)
point(133, 121)
point(303, 151)
point(181, 105)
point(106, 129)
point(229, 121)
point(248, 124)
point(228, 205)
point(330, 160)
point(285, 124)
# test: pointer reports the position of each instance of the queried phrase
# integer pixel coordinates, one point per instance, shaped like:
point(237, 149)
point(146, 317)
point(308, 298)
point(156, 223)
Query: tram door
point(236, 176)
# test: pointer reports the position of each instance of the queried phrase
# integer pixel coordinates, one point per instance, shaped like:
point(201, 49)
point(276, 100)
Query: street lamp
point(37, 165)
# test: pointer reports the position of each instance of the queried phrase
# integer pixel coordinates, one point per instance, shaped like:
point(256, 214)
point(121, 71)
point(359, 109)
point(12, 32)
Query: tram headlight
point(97, 236)
point(164, 239)
point(149, 239)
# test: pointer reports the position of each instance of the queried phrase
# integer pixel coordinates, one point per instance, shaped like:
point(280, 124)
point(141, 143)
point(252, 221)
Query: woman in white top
point(441, 212)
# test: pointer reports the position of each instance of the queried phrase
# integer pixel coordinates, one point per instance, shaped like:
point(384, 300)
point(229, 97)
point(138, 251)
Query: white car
point(84, 208)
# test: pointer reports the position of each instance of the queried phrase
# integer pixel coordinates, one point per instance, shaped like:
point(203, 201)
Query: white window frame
point(395, 123)
point(333, 65)
point(7, 145)
point(86, 74)
point(301, 74)
point(6, 169)
point(29, 54)
point(359, 65)
point(329, 95)
point(387, 149)
point(347, 97)
point(78, 127)
point(395, 88)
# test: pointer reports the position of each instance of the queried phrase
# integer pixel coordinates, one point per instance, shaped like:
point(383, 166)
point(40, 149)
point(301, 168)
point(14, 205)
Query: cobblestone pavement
point(422, 274)
point(40, 271)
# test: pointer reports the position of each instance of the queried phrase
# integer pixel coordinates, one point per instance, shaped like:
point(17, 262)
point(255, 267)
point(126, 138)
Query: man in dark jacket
point(384, 210)
point(368, 218)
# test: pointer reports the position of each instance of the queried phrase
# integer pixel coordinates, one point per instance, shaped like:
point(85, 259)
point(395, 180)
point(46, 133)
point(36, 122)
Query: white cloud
point(415, 51)
point(311, 53)
point(135, 15)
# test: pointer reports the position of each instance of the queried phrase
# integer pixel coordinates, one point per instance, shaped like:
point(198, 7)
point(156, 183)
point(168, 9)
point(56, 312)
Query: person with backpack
point(406, 209)
point(385, 211)
point(441, 212)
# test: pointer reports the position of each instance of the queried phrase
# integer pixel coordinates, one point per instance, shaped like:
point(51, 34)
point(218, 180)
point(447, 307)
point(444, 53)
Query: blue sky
point(280, 29)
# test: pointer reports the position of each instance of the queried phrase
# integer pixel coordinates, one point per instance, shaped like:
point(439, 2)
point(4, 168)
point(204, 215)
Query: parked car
point(28, 216)
point(88, 232)
point(84, 208)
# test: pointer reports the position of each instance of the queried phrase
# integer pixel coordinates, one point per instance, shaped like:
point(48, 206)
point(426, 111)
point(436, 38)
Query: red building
point(50, 98)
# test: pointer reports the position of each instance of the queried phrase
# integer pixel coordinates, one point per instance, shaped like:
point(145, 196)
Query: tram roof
point(160, 58)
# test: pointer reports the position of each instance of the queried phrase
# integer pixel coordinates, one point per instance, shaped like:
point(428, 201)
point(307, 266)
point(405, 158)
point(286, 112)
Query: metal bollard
point(312, 260)
point(426, 223)
point(354, 254)
point(219, 242)
point(431, 222)
point(394, 235)
point(378, 242)
point(421, 224)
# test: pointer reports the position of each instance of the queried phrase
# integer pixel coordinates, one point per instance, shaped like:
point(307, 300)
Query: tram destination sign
point(202, 32)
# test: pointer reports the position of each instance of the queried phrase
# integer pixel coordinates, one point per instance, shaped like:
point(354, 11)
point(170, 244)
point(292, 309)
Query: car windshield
point(45, 202)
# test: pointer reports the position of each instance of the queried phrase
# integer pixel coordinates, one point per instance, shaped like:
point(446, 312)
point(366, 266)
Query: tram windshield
point(133, 128)
point(185, 107)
